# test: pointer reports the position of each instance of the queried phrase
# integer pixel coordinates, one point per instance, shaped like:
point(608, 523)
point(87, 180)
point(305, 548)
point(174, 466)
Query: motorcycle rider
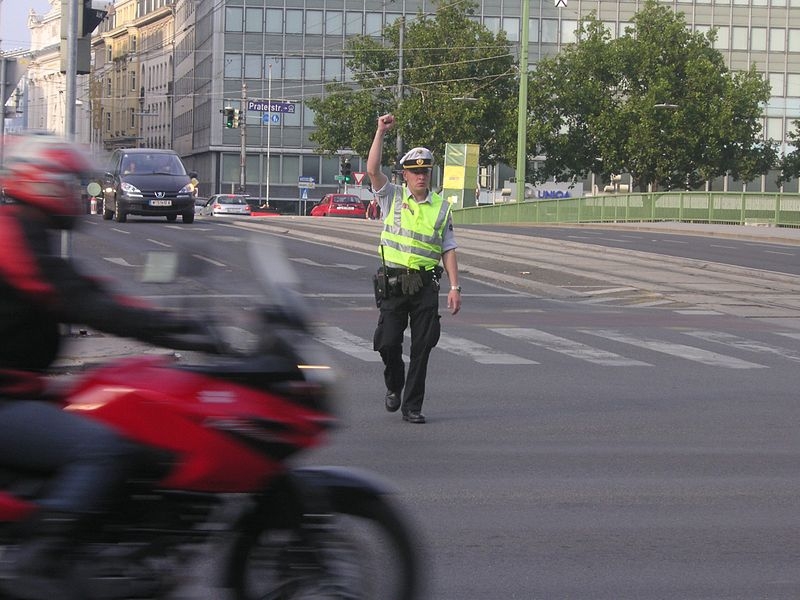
point(86, 461)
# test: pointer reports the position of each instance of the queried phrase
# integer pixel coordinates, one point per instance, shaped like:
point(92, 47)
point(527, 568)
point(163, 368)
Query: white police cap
point(417, 158)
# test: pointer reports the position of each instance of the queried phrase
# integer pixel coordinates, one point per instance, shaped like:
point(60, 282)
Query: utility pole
point(522, 109)
point(243, 136)
point(72, 68)
point(400, 82)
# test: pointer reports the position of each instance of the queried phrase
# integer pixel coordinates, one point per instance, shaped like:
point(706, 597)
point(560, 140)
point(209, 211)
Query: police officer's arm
point(376, 176)
point(450, 264)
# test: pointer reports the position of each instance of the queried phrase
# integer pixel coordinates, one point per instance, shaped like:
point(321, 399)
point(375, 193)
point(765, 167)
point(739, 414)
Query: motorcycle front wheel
point(361, 550)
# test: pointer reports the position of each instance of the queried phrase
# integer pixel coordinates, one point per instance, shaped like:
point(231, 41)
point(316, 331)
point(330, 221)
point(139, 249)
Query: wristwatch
point(455, 288)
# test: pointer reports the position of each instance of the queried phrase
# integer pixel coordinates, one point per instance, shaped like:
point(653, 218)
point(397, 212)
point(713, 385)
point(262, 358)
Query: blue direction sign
point(274, 106)
point(267, 117)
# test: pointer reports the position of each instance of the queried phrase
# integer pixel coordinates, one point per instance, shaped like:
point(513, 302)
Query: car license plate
point(160, 202)
point(346, 207)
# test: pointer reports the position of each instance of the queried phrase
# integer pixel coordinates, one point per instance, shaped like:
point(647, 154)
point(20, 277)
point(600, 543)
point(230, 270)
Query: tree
point(790, 161)
point(657, 102)
point(458, 84)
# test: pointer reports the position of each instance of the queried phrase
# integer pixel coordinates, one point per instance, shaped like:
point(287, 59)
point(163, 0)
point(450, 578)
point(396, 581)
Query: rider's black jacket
point(39, 290)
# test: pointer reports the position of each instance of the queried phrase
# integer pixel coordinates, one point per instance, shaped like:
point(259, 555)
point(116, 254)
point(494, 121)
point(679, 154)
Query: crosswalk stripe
point(705, 357)
point(569, 347)
point(480, 353)
point(346, 342)
point(739, 343)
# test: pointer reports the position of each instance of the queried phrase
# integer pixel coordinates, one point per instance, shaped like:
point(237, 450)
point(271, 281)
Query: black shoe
point(392, 401)
point(414, 417)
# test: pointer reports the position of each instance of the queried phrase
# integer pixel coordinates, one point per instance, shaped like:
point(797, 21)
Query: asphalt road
point(601, 425)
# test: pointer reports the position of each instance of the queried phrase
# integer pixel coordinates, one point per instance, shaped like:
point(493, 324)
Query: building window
point(333, 22)
point(276, 69)
point(275, 21)
point(774, 129)
point(794, 39)
point(254, 20)
point(233, 66)
point(108, 122)
point(739, 39)
point(533, 30)
point(776, 81)
point(777, 39)
point(355, 23)
point(758, 38)
point(549, 31)
point(253, 66)
point(133, 80)
point(374, 24)
point(132, 118)
point(511, 27)
point(292, 68)
point(333, 69)
point(793, 85)
point(568, 31)
point(492, 24)
point(313, 69)
point(314, 20)
point(233, 19)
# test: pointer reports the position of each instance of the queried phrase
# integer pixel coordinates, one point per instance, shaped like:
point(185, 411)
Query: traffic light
point(88, 20)
point(347, 171)
point(230, 117)
point(236, 118)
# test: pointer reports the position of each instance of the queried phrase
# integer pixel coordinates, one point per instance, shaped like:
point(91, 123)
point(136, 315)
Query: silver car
point(226, 205)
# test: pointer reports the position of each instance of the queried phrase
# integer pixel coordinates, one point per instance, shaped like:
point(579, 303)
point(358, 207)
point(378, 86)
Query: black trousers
point(421, 310)
point(86, 459)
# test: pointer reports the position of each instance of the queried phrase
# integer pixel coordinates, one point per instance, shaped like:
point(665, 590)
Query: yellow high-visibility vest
point(412, 231)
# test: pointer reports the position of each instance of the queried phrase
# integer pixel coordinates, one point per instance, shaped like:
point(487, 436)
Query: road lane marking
point(783, 253)
point(152, 241)
point(705, 357)
point(740, 343)
point(344, 341)
point(216, 263)
point(571, 348)
point(478, 352)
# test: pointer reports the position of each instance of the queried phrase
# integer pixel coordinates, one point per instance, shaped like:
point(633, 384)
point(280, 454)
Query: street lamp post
point(269, 126)
point(522, 110)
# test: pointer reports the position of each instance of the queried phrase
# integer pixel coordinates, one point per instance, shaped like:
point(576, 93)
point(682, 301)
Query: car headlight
point(130, 190)
point(186, 190)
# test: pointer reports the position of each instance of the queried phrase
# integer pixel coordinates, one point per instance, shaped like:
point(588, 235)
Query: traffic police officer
point(417, 234)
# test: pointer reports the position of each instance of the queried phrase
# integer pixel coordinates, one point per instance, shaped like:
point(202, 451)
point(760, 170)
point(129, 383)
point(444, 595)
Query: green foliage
point(458, 85)
point(790, 162)
point(657, 102)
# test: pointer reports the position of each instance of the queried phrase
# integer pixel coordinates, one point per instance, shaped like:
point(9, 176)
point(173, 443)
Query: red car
point(340, 205)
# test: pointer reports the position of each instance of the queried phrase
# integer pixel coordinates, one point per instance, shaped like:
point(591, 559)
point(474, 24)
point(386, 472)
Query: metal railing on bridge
point(737, 208)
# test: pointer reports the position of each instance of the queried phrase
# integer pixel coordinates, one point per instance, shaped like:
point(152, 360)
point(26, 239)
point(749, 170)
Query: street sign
point(304, 195)
point(306, 183)
point(339, 177)
point(561, 3)
point(359, 177)
point(275, 106)
point(267, 117)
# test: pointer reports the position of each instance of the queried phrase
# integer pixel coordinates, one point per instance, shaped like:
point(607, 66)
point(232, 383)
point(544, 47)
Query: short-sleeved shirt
point(385, 196)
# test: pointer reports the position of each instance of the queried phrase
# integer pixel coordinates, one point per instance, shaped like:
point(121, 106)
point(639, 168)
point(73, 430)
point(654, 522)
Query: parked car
point(339, 205)
point(261, 207)
point(226, 205)
point(150, 182)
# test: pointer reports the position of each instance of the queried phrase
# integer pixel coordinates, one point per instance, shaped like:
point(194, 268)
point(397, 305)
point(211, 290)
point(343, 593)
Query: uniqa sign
point(546, 194)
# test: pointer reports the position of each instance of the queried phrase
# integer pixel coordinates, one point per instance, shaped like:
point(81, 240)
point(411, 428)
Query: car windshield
point(232, 200)
point(345, 199)
point(153, 164)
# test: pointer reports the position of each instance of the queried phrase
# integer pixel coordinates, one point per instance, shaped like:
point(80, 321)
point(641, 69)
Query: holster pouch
point(380, 283)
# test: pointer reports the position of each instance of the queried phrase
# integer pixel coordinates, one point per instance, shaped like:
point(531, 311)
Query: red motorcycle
point(222, 430)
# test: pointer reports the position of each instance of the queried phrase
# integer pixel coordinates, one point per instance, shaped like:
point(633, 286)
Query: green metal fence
point(739, 208)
